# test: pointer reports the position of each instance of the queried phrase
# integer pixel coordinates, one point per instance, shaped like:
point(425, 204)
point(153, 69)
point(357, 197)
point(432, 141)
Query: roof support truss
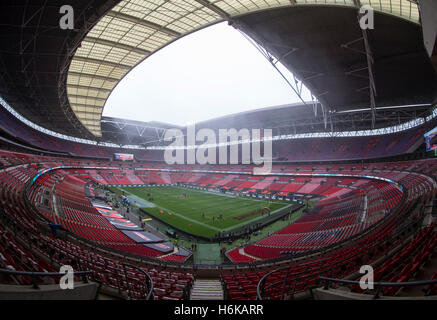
point(358, 72)
point(372, 86)
point(91, 76)
point(117, 45)
point(73, 86)
point(148, 24)
point(104, 62)
point(215, 9)
point(86, 97)
point(273, 61)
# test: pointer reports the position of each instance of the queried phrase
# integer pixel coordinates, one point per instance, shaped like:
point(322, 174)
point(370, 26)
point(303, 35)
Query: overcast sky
point(210, 73)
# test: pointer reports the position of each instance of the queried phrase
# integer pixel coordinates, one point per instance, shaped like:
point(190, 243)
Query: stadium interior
point(353, 177)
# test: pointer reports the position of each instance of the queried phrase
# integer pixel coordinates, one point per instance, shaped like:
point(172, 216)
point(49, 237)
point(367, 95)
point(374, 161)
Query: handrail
point(149, 281)
point(33, 275)
point(116, 272)
point(382, 284)
point(297, 275)
point(378, 285)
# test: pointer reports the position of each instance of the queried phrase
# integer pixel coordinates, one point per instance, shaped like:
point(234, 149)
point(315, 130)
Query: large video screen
point(123, 156)
point(431, 139)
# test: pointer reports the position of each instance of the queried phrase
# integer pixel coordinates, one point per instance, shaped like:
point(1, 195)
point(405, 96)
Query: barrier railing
point(34, 275)
point(121, 278)
point(145, 287)
point(378, 286)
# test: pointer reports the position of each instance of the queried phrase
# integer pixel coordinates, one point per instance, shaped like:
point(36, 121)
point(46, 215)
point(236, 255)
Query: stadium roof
point(334, 61)
point(134, 29)
point(61, 79)
point(34, 52)
point(288, 119)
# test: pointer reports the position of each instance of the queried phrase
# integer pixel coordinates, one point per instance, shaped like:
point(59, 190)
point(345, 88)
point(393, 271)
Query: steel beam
point(88, 75)
point(369, 57)
point(104, 62)
point(215, 9)
point(73, 86)
point(142, 22)
point(86, 97)
point(118, 45)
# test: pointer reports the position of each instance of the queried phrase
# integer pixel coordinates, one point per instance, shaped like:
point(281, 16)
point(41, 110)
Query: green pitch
point(202, 213)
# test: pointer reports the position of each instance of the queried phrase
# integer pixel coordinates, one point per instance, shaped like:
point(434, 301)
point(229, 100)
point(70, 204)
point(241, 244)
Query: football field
point(199, 212)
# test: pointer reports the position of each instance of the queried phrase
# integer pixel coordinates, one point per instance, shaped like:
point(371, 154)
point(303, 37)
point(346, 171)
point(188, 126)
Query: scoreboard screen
point(123, 156)
point(431, 140)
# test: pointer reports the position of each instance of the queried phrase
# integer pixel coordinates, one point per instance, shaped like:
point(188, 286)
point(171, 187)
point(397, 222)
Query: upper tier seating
point(342, 148)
